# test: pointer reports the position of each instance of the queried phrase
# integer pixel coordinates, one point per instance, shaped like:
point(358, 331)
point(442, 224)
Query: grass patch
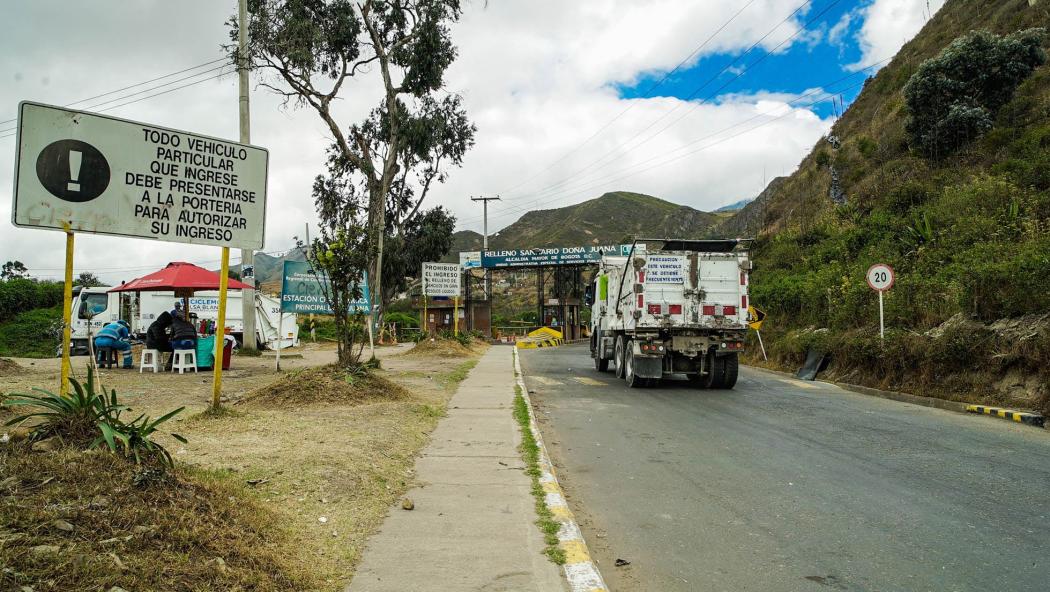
point(458, 374)
point(211, 413)
point(430, 411)
point(26, 335)
point(530, 453)
point(248, 353)
point(74, 520)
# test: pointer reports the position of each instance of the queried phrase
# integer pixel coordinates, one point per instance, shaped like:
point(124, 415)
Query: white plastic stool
point(153, 357)
point(185, 359)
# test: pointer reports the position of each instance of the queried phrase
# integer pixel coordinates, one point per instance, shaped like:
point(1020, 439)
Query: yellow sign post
point(755, 317)
point(455, 316)
point(220, 329)
point(67, 315)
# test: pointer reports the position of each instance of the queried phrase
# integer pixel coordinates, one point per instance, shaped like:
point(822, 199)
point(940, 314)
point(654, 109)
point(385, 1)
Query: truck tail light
point(641, 301)
point(676, 309)
point(709, 310)
point(719, 310)
point(729, 310)
point(743, 278)
point(743, 301)
point(654, 309)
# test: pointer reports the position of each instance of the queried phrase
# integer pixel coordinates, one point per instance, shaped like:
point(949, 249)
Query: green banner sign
point(301, 291)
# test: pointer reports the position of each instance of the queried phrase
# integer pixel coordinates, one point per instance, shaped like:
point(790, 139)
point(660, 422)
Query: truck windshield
point(92, 305)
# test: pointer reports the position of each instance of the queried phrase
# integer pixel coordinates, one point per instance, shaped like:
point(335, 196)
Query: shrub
point(953, 97)
point(23, 294)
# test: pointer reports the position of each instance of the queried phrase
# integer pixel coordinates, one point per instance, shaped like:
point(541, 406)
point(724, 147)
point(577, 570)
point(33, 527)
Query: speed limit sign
point(880, 277)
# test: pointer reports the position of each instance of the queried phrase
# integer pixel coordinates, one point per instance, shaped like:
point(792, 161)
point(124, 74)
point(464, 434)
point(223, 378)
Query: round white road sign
point(880, 277)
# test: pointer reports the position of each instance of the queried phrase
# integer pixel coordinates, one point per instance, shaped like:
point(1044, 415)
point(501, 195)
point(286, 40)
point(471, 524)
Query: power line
point(105, 94)
point(597, 182)
point(646, 94)
point(170, 90)
point(619, 149)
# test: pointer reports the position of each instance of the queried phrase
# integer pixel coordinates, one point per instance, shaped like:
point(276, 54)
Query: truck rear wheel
point(731, 364)
point(600, 364)
point(633, 380)
point(618, 355)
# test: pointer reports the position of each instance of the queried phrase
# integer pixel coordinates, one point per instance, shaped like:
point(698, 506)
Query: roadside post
point(443, 279)
point(755, 318)
point(81, 172)
point(881, 278)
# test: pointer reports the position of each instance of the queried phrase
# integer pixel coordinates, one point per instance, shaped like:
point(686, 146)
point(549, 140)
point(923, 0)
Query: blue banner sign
point(550, 256)
point(301, 291)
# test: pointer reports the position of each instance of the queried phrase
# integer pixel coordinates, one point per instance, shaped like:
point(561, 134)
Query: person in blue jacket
point(115, 335)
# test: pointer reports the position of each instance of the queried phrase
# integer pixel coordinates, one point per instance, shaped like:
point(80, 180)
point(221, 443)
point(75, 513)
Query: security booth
point(563, 314)
point(438, 313)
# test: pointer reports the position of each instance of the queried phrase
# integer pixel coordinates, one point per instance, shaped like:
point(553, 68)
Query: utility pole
point(485, 234)
point(247, 256)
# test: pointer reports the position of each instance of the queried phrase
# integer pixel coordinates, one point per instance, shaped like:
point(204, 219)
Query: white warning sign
point(441, 279)
point(664, 269)
point(104, 175)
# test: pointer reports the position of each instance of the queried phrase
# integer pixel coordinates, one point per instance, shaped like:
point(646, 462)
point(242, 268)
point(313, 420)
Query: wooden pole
point(455, 316)
point(280, 333)
point(67, 315)
point(220, 329)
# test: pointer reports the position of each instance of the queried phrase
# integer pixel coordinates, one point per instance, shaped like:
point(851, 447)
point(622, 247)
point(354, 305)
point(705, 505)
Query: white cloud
point(888, 25)
point(537, 79)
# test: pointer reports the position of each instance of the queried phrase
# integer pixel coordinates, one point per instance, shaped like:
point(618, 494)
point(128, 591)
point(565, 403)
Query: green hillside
point(967, 230)
point(613, 218)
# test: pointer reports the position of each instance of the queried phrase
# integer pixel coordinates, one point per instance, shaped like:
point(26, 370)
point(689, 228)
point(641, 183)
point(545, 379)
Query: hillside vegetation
point(962, 213)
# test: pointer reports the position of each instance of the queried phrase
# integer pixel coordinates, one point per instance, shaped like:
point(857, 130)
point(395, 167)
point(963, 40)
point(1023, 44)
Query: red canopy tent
point(181, 277)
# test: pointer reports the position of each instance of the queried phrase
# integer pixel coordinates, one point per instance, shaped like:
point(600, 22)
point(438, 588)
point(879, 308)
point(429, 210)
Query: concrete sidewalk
point(473, 527)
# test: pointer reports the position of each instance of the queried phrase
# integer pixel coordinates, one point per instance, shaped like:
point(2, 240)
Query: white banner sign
point(470, 259)
point(103, 175)
point(664, 269)
point(441, 279)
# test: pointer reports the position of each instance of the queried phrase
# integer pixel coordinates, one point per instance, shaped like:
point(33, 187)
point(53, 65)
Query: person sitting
point(183, 333)
point(157, 335)
point(115, 335)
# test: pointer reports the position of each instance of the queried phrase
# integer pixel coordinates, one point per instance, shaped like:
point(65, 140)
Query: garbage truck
point(94, 307)
point(671, 307)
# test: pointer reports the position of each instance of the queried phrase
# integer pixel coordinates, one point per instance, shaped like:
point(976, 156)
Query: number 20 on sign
point(880, 278)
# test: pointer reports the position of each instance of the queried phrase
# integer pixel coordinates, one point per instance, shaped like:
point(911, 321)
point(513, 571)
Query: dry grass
point(345, 458)
point(327, 384)
point(73, 521)
point(9, 367)
point(440, 347)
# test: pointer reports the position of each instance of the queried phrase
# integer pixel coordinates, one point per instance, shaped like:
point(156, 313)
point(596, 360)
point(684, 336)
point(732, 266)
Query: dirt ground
point(331, 469)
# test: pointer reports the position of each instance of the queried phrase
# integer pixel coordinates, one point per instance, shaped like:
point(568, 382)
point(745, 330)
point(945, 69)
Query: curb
point(580, 569)
point(1031, 419)
point(1018, 416)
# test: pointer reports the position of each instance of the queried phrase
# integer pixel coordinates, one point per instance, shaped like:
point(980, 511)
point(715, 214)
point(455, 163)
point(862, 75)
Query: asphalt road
point(781, 484)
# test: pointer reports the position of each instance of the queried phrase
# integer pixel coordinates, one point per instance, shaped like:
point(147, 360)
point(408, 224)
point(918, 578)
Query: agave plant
point(75, 416)
point(93, 418)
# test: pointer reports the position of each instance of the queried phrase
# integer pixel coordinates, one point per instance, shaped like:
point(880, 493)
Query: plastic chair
point(150, 359)
point(185, 359)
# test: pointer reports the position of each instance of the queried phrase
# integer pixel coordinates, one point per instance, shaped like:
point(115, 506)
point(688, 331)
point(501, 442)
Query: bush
point(403, 319)
point(22, 294)
point(954, 97)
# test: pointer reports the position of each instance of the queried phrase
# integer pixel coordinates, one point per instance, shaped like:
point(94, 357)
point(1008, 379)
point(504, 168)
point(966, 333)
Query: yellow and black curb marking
point(580, 569)
point(542, 337)
point(1018, 416)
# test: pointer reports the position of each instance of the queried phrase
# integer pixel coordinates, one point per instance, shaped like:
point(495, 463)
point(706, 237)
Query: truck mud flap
point(816, 362)
point(646, 367)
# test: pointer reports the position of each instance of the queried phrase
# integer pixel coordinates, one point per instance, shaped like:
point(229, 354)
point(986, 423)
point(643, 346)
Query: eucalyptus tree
point(311, 51)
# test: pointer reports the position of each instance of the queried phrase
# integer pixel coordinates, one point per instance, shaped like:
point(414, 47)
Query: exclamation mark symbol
point(75, 158)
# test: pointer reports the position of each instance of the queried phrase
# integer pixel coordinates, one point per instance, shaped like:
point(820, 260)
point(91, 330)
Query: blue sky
point(818, 62)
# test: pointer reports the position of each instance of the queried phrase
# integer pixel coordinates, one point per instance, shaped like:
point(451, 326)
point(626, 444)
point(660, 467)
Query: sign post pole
point(882, 318)
point(761, 345)
point(371, 338)
point(224, 276)
point(67, 315)
point(280, 333)
point(880, 277)
point(426, 319)
point(455, 316)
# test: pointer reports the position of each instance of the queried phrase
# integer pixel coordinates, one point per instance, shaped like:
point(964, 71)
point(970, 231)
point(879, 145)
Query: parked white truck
point(100, 306)
point(671, 307)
